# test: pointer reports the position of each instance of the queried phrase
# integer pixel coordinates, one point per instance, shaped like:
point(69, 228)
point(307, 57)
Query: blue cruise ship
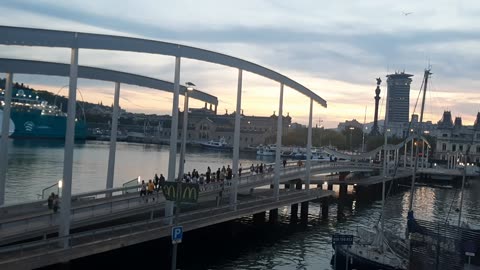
point(35, 118)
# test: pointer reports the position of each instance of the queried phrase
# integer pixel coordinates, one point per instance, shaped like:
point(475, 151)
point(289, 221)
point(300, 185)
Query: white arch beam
point(63, 70)
point(51, 38)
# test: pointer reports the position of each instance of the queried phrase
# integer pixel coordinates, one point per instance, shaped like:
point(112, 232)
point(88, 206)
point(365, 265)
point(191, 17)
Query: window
point(460, 147)
point(444, 135)
point(454, 147)
point(444, 147)
point(478, 149)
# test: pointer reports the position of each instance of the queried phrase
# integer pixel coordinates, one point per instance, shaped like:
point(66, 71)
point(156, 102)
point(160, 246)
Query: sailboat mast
point(363, 130)
point(427, 73)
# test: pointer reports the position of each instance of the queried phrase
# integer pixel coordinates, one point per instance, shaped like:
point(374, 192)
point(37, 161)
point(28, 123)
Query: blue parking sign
point(177, 234)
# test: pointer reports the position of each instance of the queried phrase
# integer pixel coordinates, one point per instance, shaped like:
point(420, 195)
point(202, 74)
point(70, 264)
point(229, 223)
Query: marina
point(71, 202)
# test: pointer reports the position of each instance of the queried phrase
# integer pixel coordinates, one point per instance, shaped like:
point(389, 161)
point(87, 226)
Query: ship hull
point(35, 125)
point(359, 263)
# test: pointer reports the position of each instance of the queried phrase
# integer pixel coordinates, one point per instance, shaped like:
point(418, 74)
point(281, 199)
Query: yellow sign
point(189, 192)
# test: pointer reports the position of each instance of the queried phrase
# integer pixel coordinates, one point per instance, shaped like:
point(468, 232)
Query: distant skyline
point(336, 49)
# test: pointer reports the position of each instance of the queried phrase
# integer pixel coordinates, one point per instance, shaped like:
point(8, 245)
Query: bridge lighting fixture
point(60, 183)
point(190, 86)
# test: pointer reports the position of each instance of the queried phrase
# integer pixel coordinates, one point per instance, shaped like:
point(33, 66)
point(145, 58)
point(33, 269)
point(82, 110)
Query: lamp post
point(181, 167)
point(59, 186)
point(351, 133)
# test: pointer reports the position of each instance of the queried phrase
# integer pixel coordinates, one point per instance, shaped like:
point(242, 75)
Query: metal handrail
point(206, 189)
point(145, 223)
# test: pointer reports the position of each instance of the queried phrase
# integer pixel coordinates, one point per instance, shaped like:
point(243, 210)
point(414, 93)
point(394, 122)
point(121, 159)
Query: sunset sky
point(335, 48)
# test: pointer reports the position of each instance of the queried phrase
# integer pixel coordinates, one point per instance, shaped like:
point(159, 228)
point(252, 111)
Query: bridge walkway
point(125, 207)
point(49, 251)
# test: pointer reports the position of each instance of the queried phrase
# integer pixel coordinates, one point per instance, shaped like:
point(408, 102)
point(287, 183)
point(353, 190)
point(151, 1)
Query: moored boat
point(35, 118)
point(219, 145)
point(266, 151)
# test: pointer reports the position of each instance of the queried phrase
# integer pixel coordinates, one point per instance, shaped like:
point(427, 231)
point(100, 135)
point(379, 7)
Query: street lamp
point(351, 132)
point(60, 185)
point(181, 166)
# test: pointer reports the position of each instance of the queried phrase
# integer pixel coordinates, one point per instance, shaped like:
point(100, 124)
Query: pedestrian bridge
point(34, 225)
point(33, 218)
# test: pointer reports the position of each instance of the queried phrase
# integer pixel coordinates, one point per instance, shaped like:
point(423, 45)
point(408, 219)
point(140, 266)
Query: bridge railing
point(51, 244)
point(116, 204)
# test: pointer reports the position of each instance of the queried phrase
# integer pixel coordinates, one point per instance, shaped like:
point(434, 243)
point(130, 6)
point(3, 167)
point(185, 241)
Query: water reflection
point(36, 164)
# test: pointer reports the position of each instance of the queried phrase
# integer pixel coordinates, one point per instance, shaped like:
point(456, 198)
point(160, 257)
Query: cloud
point(335, 48)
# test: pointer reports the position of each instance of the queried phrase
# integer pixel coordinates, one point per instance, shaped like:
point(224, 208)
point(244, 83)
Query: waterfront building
point(398, 97)
point(398, 103)
point(453, 138)
point(347, 124)
point(205, 125)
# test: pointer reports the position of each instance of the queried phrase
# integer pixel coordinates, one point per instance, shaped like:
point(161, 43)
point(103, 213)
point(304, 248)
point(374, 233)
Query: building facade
point(398, 98)
point(453, 139)
point(204, 125)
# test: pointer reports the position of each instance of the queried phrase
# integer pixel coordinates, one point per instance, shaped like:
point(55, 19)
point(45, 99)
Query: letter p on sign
point(177, 234)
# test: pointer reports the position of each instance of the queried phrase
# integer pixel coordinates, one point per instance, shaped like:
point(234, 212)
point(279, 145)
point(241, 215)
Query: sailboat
point(371, 249)
point(446, 245)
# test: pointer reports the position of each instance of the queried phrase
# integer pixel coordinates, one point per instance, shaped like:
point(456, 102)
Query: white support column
point(183, 144)
point(68, 152)
point(423, 154)
point(411, 154)
point(276, 187)
point(236, 145)
point(455, 162)
point(172, 158)
point(7, 97)
point(309, 147)
point(426, 161)
point(113, 138)
point(397, 157)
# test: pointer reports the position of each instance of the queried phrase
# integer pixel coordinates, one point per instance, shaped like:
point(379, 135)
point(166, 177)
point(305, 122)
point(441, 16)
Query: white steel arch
point(51, 38)
point(58, 69)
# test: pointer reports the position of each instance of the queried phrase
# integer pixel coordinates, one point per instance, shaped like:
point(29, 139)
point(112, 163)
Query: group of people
point(259, 169)
point(147, 189)
point(222, 174)
point(218, 176)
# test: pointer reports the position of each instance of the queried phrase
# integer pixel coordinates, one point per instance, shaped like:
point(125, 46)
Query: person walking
point(218, 174)
point(56, 203)
point(143, 189)
point(229, 173)
point(207, 175)
point(161, 182)
point(284, 163)
point(50, 200)
point(150, 188)
point(156, 181)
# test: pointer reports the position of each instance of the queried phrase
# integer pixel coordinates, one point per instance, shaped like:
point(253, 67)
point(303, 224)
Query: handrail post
point(4, 139)
point(276, 186)
point(236, 145)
